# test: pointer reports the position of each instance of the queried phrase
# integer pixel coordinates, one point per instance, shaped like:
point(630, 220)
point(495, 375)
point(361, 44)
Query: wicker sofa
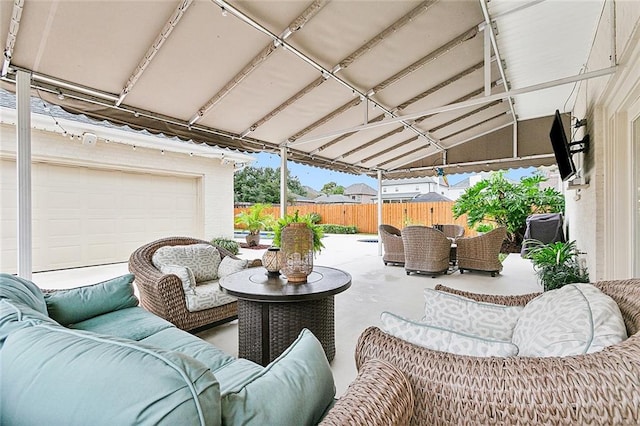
point(597, 388)
point(163, 295)
point(392, 242)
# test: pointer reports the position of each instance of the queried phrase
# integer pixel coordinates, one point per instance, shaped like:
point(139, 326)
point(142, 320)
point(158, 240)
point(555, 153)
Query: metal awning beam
point(12, 35)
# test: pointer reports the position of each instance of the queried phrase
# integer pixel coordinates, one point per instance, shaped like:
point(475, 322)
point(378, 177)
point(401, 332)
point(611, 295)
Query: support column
point(23, 167)
point(379, 211)
point(283, 181)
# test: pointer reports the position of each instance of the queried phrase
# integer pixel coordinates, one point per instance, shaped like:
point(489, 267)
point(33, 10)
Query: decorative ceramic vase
point(272, 261)
point(297, 252)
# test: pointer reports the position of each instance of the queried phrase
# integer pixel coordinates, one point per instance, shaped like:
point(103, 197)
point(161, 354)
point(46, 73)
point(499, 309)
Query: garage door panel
point(89, 216)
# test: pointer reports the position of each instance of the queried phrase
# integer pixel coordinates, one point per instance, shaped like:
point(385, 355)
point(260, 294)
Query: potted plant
point(299, 238)
point(556, 264)
point(255, 219)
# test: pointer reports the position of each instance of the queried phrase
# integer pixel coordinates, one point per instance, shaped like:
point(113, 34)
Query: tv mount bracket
point(583, 145)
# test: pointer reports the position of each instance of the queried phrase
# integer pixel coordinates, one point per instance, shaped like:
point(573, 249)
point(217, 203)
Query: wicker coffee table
point(272, 312)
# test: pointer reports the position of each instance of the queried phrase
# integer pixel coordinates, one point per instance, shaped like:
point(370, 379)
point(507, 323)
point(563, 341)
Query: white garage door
point(86, 216)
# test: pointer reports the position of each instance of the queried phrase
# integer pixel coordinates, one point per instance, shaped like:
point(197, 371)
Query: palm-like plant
point(556, 264)
point(308, 219)
point(255, 220)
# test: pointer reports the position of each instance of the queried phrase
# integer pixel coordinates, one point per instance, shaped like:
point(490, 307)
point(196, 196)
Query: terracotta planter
point(297, 252)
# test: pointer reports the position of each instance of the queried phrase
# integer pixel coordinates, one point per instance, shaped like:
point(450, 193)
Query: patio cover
point(401, 87)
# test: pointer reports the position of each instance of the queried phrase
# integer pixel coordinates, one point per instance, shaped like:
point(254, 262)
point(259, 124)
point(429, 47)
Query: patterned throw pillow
point(207, 296)
point(229, 265)
point(185, 274)
point(575, 319)
point(443, 340)
point(457, 313)
point(202, 259)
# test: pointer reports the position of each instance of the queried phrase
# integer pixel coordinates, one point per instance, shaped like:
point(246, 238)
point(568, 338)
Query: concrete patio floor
point(375, 288)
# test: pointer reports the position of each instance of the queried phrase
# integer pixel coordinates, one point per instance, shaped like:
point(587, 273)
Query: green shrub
point(228, 244)
point(338, 229)
point(484, 227)
point(315, 217)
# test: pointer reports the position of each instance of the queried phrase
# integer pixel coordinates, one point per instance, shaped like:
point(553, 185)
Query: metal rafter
point(326, 74)
point(12, 35)
point(447, 47)
point(257, 60)
point(155, 47)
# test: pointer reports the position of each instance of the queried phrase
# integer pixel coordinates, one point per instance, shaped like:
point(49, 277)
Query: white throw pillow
point(453, 312)
point(575, 319)
point(202, 259)
point(444, 340)
point(185, 274)
point(229, 265)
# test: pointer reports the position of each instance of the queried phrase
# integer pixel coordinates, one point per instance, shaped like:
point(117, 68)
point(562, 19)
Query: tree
point(262, 185)
point(332, 188)
point(507, 204)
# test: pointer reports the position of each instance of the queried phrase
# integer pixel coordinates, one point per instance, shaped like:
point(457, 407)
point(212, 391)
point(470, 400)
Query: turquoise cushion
point(70, 377)
point(78, 304)
point(178, 340)
point(15, 315)
point(23, 291)
point(129, 323)
point(295, 389)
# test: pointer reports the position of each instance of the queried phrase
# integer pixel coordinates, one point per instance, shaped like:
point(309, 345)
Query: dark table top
point(255, 285)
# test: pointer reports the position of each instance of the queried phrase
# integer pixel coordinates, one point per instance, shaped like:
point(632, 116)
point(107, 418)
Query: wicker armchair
point(480, 253)
point(426, 250)
point(597, 388)
point(163, 294)
point(393, 247)
point(451, 231)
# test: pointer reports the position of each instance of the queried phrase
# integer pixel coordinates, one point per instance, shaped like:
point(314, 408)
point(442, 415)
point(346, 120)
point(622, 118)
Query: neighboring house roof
point(300, 198)
point(463, 184)
point(334, 199)
point(360, 189)
point(312, 193)
point(399, 195)
point(430, 197)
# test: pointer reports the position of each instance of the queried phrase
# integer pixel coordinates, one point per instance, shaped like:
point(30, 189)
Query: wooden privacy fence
point(365, 216)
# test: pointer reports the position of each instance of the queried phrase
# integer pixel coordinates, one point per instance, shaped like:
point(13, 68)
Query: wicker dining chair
point(480, 253)
point(392, 243)
point(596, 388)
point(163, 295)
point(452, 231)
point(426, 250)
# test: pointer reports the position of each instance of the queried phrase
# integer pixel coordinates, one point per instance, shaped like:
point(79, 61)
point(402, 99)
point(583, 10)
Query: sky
point(316, 177)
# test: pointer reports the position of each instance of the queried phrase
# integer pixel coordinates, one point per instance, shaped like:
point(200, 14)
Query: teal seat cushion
point(178, 340)
point(129, 323)
point(295, 389)
point(15, 315)
point(81, 303)
point(70, 377)
point(23, 291)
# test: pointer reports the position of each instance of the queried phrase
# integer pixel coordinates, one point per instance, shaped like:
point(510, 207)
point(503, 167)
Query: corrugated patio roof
point(357, 86)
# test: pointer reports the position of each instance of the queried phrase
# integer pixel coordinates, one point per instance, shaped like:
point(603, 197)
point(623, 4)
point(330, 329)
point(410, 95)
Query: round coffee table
point(272, 312)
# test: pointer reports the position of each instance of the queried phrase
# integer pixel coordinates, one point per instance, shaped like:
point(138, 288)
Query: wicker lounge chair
point(393, 247)
point(597, 388)
point(480, 253)
point(426, 250)
point(163, 294)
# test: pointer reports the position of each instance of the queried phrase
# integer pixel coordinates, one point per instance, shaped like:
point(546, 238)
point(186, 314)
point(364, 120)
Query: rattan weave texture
point(380, 396)
point(480, 253)
point(597, 388)
point(426, 250)
point(391, 238)
point(163, 294)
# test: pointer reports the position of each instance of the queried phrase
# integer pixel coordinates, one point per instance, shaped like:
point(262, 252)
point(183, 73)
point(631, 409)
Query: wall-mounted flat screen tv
point(561, 149)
